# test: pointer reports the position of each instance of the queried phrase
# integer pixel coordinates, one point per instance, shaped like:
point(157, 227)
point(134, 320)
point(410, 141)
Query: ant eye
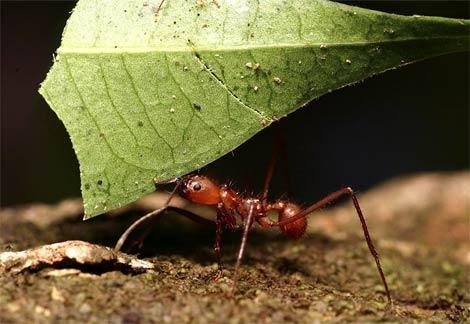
point(197, 186)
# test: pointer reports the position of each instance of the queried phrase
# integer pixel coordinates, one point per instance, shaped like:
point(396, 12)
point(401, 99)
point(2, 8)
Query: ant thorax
point(232, 201)
point(244, 206)
point(229, 198)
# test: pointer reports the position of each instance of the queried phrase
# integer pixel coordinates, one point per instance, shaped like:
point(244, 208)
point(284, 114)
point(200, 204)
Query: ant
point(292, 220)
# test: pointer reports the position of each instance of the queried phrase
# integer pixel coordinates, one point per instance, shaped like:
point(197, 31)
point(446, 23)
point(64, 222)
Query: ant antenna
point(172, 180)
point(142, 219)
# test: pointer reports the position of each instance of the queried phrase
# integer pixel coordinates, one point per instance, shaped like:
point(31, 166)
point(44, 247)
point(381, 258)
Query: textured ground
point(420, 225)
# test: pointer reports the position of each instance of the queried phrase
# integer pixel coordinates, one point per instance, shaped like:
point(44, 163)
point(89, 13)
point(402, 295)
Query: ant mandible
point(292, 220)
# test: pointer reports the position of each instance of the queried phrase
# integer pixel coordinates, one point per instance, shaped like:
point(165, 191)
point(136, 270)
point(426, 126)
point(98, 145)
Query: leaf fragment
point(151, 92)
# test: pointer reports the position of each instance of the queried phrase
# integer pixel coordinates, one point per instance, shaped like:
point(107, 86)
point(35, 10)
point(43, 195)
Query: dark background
point(409, 120)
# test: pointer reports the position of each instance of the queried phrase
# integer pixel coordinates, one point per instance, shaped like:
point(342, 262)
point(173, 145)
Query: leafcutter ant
point(291, 221)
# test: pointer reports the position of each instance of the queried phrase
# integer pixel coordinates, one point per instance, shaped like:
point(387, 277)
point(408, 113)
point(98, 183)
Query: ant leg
point(219, 225)
point(246, 228)
point(328, 199)
point(284, 158)
point(218, 234)
point(183, 212)
point(269, 173)
point(190, 215)
point(278, 149)
point(129, 230)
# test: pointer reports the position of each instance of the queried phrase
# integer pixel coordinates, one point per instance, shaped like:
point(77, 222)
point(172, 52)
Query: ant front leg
point(130, 229)
point(219, 227)
point(325, 201)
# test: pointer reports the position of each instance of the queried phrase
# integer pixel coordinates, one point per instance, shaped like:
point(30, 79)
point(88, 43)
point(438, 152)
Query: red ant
point(292, 220)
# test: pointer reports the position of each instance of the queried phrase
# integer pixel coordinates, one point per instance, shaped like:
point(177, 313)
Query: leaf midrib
point(191, 48)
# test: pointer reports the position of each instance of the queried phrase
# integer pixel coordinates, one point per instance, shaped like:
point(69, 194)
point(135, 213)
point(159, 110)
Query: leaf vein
point(72, 79)
point(111, 101)
point(144, 106)
point(189, 100)
point(226, 88)
point(175, 49)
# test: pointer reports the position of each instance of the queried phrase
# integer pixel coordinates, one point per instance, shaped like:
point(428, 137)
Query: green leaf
point(150, 91)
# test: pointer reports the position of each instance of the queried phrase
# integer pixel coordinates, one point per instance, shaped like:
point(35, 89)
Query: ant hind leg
point(330, 198)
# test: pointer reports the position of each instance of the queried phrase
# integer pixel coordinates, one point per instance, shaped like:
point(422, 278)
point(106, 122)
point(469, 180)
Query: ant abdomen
point(296, 229)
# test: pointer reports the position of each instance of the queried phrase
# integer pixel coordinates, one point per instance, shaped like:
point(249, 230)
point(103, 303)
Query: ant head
point(200, 189)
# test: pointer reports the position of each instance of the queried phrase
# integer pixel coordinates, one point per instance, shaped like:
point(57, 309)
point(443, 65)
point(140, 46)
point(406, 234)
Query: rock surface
point(419, 224)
